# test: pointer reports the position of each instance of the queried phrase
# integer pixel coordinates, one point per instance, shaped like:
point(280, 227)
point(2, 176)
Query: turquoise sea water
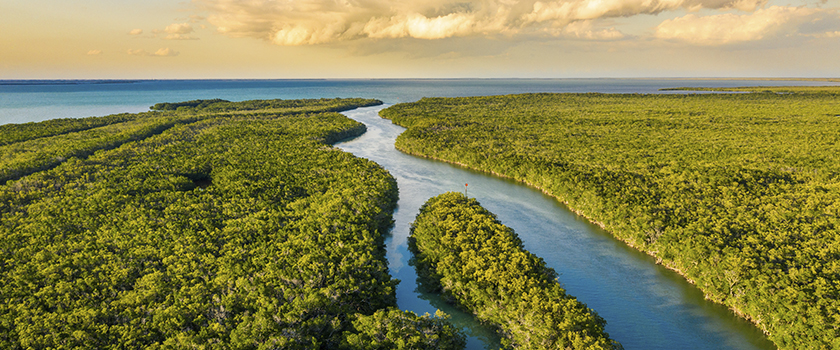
point(645, 305)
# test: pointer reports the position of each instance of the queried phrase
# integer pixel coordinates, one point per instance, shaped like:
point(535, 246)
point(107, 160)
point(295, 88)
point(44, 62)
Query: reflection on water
point(646, 306)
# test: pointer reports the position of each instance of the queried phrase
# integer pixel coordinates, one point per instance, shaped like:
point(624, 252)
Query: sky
point(279, 39)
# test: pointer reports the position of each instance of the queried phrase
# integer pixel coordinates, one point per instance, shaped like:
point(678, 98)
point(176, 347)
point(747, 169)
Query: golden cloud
point(564, 12)
point(178, 31)
point(586, 30)
point(731, 28)
point(163, 52)
point(179, 28)
point(308, 22)
point(167, 52)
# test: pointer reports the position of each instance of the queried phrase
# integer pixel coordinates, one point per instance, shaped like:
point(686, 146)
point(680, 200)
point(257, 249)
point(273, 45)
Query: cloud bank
point(311, 22)
point(307, 22)
point(730, 28)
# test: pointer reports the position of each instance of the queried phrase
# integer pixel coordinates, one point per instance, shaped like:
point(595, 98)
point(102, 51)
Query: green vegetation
point(266, 106)
point(240, 229)
point(813, 90)
point(461, 249)
point(28, 156)
point(738, 192)
point(11, 133)
point(394, 329)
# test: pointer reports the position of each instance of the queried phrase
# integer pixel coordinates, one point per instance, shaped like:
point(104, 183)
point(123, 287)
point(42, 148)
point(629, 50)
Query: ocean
point(24, 101)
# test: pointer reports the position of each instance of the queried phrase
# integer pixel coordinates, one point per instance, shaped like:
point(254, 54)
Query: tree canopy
point(740, 192)
point(463, 251)
point(195, 228)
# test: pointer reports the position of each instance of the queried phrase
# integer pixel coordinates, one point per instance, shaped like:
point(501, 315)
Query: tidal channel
point(646, 305)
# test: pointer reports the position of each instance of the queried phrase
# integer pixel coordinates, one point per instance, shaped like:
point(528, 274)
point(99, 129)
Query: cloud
point(180, 37)
point(94, 52)
point(167, 52)
point(135, 32)
point(164, 52)
point(310, 22)
point(586, 30)
point(178, 31)
point(834, 34)
point(732, 28)
point(179, 28)
point(564, 12)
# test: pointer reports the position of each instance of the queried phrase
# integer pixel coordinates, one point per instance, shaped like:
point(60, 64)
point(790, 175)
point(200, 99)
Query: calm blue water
point(645, 305)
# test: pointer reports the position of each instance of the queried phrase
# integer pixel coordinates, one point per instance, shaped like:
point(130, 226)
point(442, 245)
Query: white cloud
point(732, 28)
point(135, 32)
point(308, 22)
point(456, 24)
point(94, 52)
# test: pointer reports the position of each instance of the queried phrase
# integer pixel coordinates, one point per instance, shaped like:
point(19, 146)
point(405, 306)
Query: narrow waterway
point(646, 306)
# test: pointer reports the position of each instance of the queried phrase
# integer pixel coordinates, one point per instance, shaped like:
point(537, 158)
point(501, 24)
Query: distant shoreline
point(26, 82)
point(834, 80)
point(64, 82)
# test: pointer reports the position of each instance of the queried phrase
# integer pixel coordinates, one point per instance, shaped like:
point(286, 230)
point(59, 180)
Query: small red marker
point(465, 189)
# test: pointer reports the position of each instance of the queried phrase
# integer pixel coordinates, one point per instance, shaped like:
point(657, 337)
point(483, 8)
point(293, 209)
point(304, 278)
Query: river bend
point(646, 305)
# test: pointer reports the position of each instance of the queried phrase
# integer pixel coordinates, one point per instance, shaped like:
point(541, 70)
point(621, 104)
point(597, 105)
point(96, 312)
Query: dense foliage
point(41, 153)
point(465, 252)
point(188, 105)
point(214, 231)
point(391, 329)
point(739, 192)
point(272, 106)
point(11, 133)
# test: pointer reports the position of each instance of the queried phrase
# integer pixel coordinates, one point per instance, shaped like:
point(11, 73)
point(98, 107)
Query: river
point(646, 305)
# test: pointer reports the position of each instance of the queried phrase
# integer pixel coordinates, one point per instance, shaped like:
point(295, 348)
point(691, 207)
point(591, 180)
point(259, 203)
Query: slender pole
point(465, 190)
